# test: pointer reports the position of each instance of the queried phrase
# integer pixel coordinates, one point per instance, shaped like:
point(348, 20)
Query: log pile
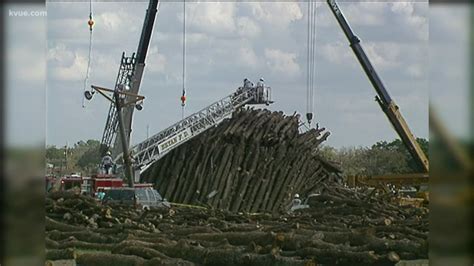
point(255, 161)
point(240, 177)
point(341, 226)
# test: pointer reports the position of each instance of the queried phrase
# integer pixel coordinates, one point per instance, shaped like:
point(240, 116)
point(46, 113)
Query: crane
point(130, 75)
point(387, 104)
point(124, 97)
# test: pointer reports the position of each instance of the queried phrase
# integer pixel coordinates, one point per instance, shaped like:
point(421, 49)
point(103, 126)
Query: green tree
point(398, 147)
point(53, 153)
point(88, 155)
point(89, 160)
point(83, 157)
point(380, 159)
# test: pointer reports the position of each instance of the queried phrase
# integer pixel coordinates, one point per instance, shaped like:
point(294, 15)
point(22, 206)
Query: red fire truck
point(99, 182)
point(70, 182)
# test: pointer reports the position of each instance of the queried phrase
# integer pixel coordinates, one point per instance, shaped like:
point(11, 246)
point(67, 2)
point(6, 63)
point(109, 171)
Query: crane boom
point(383, 98)
point(130, 74)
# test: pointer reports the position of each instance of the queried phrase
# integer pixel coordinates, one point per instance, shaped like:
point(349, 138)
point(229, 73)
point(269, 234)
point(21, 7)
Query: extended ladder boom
point(155, 147)
point(385, 101)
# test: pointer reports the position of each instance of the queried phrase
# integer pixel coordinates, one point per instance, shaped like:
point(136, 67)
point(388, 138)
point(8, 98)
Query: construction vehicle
point(383, 98)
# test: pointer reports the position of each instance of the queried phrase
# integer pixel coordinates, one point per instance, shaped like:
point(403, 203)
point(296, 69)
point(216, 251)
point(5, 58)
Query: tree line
point(83, 157)
point(381, 158)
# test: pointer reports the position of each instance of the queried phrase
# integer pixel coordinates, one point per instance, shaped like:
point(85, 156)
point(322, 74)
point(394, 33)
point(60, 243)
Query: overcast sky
point(227, 42)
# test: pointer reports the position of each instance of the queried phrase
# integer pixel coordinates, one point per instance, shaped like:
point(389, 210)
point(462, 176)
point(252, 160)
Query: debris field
point(342, 226)
point(231, 188)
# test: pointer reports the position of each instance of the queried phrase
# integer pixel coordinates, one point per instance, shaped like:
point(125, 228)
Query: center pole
point(126, 155)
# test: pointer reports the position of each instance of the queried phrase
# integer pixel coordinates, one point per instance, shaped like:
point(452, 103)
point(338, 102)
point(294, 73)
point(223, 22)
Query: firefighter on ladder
point(261, 91)
point(248, 84)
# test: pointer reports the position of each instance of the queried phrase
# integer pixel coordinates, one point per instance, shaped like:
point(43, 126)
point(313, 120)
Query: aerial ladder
point(383, 98)
point(155, 147)
point(129, 77)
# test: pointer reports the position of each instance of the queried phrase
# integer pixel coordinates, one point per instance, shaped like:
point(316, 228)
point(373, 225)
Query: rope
point(86, 79)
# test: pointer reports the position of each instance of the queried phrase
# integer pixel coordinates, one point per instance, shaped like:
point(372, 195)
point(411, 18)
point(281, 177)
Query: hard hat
point(297, 195)
point(108, 153)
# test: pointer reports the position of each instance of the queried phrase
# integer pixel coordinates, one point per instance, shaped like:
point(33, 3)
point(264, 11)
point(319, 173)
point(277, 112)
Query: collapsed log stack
point(253, 162)
point(341, 227)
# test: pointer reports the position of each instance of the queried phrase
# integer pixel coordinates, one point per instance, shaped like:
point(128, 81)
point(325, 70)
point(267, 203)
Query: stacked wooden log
point(342, 226)
point(255, 161)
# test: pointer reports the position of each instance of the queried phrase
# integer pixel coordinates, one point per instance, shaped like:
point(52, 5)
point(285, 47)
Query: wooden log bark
point(60, 254)
point(245, 161)
point(104, 259)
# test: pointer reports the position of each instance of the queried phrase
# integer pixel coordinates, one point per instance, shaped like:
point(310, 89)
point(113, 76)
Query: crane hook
point(90, 22)
point(183, 100)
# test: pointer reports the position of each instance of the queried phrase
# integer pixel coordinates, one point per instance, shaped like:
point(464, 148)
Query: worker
point(248, 84)
point(296, 200)
point(260, 92)
point(101, 194)
point(107, 163)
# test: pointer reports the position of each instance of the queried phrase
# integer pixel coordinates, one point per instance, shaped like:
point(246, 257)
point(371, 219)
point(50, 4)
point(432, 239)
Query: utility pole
point(64, 161)
point(121, 97)
point(123, 138)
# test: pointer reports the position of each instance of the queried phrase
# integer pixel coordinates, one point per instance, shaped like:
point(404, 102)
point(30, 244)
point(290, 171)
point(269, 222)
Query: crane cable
point(311, 46)
point(308, 74)
point(91, 24)
point(183, 95)
point(313, 58)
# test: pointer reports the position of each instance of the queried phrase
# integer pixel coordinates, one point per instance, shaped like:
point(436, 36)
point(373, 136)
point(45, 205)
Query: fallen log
point(55, 225)
point(106, 259)
point(140, 251)
point(236, 238)
point(60, 254)
point(168, 262)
